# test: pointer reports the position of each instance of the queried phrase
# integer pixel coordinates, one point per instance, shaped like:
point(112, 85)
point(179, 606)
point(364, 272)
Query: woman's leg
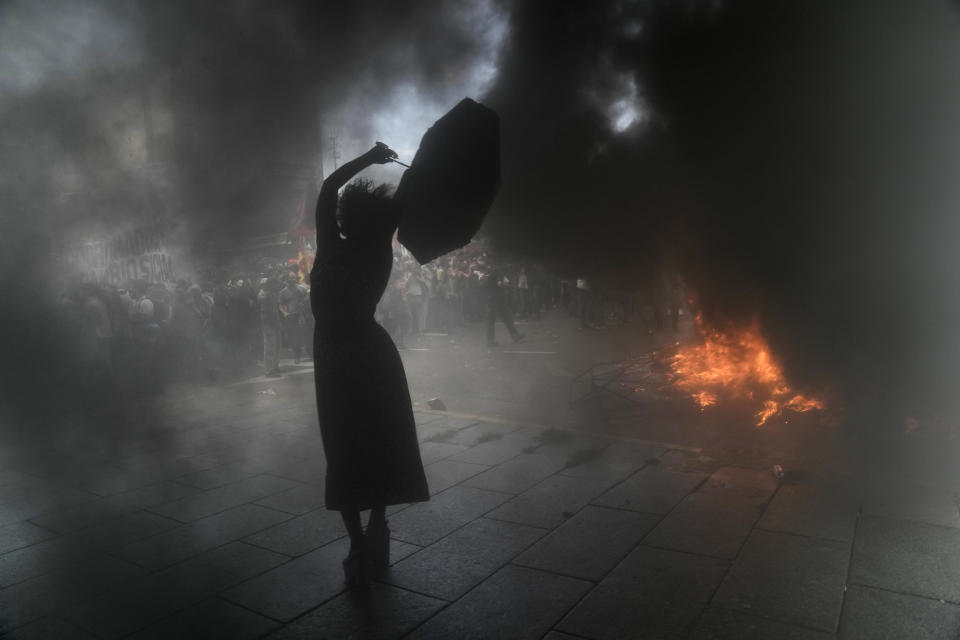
point(378, 537)
point(351, 519)
point(354, 565)
point(378, 517)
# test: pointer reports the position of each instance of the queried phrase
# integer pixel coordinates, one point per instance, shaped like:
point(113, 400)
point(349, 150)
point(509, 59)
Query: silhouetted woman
point(366, 419)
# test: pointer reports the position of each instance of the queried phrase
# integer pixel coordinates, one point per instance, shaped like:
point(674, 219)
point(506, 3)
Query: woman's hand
point(381, 154)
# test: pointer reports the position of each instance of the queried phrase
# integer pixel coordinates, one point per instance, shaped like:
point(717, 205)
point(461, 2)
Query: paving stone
point(566, 444)
point(913, 502)
point(22, 534)
point(40, 596)
point(652, 490)
point(122, 531)
point(47, 628)
point(36, 489)
point(816, 511)
point(720, 624)
point(426, 522)
point(212, 619)
point(659, 592)
point(433, 451)
point(380, 613)
point(710, 524)
point(22, 564)
point(793, 579)
point(480, 433)
point(223, 567)
point(449, 568)
point(45, 556)
point(873, 614)
point(500, 450)
point(746, 482)
point(400, 550)
point(551, 502)
point(187, 540)
point(161, 467)
point(222, 498)
point(909, 557)
point(29, 501)
point(311, 466)
point(151, 598)
point(225, 474)
point(614, 462)
point(514, 604)
point(590, 544)
point(683, 461)
point(106, 480)
point(453, 422)
point(517, 474)
point(299, 535)
point(296, 587)
point(98, 511)
point(297, 500)
point(298, 446)
point(444, 474)
point(435, 432)
point(425, 418)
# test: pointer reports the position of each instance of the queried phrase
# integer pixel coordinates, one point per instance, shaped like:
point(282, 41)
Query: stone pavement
point(208, 522)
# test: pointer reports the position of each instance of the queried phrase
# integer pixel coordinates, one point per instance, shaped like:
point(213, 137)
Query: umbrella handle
point(393, 158)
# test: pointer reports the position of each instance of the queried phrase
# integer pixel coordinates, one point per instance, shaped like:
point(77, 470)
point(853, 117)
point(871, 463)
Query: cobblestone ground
point(207, 520)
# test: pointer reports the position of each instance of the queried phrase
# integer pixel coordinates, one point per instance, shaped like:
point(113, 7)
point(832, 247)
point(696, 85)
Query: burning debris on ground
point(737, 362)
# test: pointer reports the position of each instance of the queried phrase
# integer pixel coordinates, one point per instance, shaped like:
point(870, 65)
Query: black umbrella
point(451, 182)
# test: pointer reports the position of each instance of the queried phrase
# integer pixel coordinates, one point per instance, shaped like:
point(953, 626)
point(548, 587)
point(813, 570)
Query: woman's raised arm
point(327, 202)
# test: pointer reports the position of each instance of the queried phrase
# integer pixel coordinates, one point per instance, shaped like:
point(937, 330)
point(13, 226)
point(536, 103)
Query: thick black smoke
point(794, 159)
point(235, 94)
point(797, 162)
point(214, 114)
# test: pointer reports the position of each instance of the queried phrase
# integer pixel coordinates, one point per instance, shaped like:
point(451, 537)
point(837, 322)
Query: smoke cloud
point(793, 159)
point(215, 116)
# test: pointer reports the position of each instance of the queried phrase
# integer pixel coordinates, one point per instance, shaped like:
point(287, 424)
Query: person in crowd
point(195, 316)
point(251, 343)
point(444, 296)
point(585, 303)
point(147, 337)
point(416, 293)
point(497, 309)
point(269, 301)
point(523, 289)
point(373, 459)
point(396, 315)
point(473, 295)
point(220, 333)
point(458, 284)
point(292, 307)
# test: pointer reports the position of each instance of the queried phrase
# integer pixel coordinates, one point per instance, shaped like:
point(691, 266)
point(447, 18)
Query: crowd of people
point(463, 287)
point(141, 335)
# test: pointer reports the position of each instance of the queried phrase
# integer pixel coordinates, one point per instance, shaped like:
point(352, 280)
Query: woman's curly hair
point(364, 206)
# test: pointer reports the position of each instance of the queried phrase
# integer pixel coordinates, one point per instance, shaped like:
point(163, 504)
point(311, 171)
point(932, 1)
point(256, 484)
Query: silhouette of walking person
point(366, 417)
point(497, 308)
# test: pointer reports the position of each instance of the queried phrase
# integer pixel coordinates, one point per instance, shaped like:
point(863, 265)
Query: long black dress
point(366, 418)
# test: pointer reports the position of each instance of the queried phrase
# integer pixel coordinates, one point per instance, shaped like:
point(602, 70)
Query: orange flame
point(303, 263)
point(737, 364)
